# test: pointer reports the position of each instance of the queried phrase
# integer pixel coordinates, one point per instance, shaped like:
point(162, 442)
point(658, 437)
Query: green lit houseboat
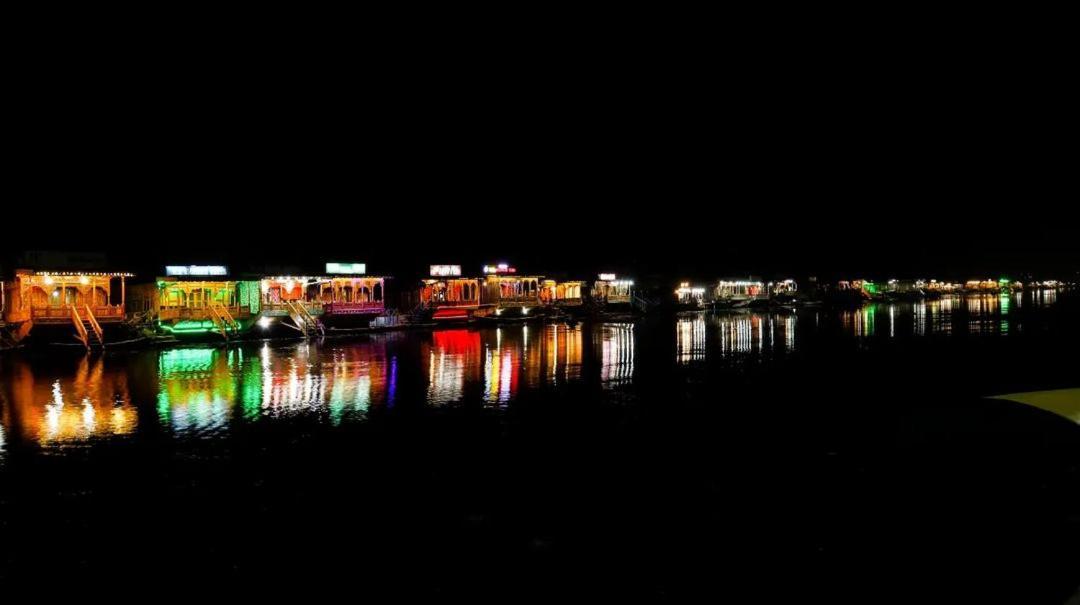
point(197, 301)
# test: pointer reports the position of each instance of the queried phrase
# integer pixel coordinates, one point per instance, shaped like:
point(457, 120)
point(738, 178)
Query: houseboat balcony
point(62, 315)
point(436, 304)
point(281, 309)
point(353, 308)
point(200, 313)
point(519, 301)
point(614, 299)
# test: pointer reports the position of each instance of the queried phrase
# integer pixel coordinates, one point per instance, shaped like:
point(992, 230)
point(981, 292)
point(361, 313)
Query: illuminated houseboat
point(345, 297)
point(689, 296)
point(501, 293)
point(561, 293)
point(739, 292)
point(506, 294)
point(982, 285)
point(197, 300)
point(609, 290)
point(781, 288)
point(80, 304)
point(943, 287)
point(291, 297)
point(448, 295)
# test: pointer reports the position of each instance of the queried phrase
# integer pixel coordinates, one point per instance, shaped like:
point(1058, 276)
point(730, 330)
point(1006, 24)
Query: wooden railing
point(107, 313)
point(80, 329)
point(353, 308)
point(313, 307)
point(95, 325)
point(170, 313)
point(435, 304)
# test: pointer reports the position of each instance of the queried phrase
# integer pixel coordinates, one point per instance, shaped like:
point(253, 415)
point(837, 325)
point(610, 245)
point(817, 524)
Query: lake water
point(655, 458)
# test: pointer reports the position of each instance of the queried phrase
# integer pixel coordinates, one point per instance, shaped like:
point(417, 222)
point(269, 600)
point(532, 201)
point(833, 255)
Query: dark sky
point(827, 159)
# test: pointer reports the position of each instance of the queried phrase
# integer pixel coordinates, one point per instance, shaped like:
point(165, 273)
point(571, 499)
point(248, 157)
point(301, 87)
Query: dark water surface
point(839, 454)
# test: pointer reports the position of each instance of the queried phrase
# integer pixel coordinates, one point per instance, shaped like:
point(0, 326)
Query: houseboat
point(851, 292)
point(561, 294)
point(311, 305)
point(197, 301)
point(350, 298)
point(293, 303)
point(690, 297)
point(783, 287)
point(449, 296)
point(609, 290)
point(65, 306)
point(739, 292)
point(507, 295)
point(501, 294)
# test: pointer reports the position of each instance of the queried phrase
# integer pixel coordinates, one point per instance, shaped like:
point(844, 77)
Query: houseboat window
point(101, 297)
point(377, 292)
point(347, 294)
point(38, 298)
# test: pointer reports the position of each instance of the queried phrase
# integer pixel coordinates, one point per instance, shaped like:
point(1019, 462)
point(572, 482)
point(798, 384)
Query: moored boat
point(65, 307)
point(197, 302)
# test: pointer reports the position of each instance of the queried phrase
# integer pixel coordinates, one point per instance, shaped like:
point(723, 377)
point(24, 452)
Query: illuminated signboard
point(346, 268)
point(196, 270)
point(499, 268)
point(607, 277)
point(445, 270)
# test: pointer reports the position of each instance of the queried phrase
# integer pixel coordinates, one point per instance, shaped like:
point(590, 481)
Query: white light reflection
point(616, 354)
point(690, 339)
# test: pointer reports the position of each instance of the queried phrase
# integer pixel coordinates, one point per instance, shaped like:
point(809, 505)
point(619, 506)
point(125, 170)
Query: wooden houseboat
point(981, 285)
point(501, 293)
point(609, 290)
point(449, 296)
point(738, 292)
point(292, 298)
point(79, 304)
point(193, 301)
point(505, 294)
point(689, 297)
point(561, 294)
point(782, 288)
point(344, 297)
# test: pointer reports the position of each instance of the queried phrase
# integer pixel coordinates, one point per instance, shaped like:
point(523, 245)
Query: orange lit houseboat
point(193, 301)
point(561, 294)
point(501, 293)
point(74, 306)
point(448, 296)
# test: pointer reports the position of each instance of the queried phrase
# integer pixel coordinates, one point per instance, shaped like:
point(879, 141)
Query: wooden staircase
point(223, 320)
point(87, 329)
point(304, 320)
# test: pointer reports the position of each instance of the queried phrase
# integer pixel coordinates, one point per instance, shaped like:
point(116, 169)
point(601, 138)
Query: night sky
point(647, 164)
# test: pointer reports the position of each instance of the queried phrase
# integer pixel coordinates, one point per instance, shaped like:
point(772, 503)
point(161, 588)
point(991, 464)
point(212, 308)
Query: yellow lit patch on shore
point(1063, 402)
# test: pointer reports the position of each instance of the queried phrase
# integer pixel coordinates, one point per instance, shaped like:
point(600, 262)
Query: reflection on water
point(197, 388)
point(500, 361)
point(207, 391)
point(449, 358)
point(91, 401)
point(990, 314)
point(733, 335)
point(616, 353)
point(690, 339)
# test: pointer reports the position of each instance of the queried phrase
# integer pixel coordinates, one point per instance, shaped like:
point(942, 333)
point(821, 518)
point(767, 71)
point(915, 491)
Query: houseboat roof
point(322, 277)
point(73, 273)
